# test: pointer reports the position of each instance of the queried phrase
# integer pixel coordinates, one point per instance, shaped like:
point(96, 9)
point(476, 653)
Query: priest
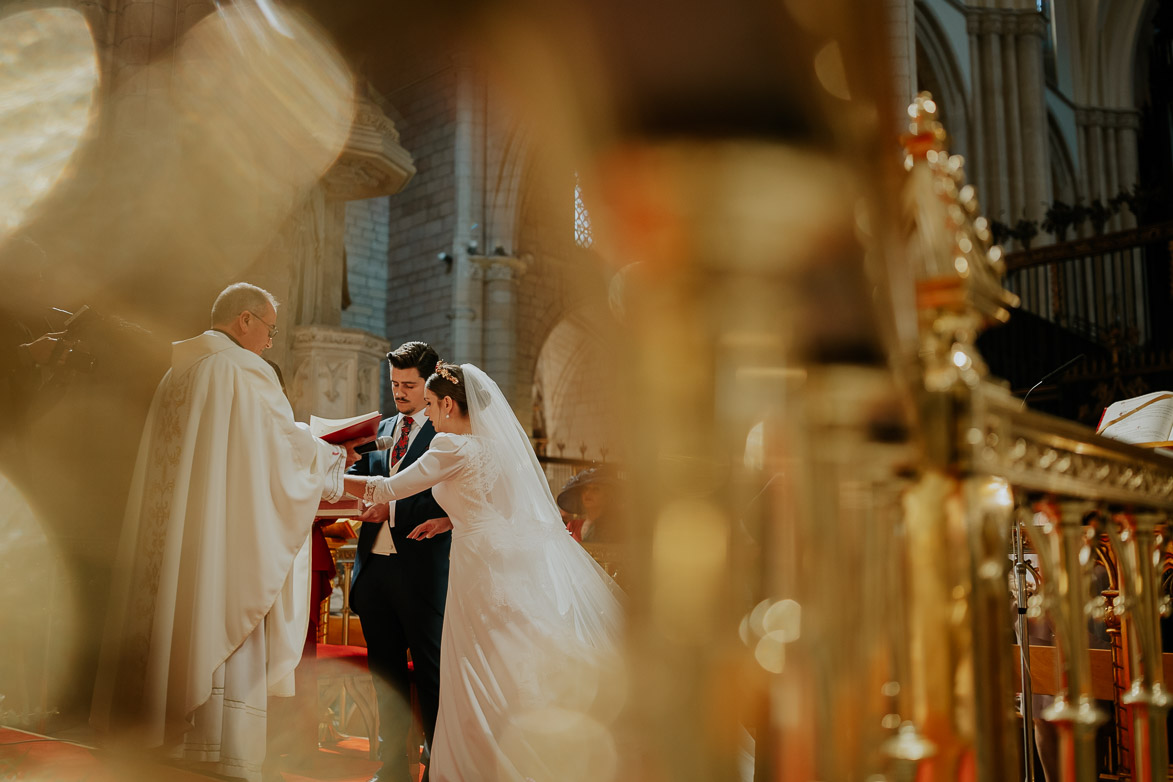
point(209, 607)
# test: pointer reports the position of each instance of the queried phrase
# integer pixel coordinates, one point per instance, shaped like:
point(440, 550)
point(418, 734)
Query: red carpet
point(346, 761)
point(29, 756)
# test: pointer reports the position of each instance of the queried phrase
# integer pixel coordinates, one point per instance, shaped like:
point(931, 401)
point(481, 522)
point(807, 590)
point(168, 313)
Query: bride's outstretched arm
point(440, 461)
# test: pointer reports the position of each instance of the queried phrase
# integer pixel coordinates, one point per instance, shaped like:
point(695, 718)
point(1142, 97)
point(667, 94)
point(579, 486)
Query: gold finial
point(925, 132)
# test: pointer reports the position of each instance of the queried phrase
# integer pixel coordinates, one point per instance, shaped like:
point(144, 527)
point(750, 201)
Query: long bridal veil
point(564, 728)
point(522, 495)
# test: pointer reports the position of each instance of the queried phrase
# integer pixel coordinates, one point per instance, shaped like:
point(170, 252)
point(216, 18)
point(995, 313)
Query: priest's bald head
point(248, 314)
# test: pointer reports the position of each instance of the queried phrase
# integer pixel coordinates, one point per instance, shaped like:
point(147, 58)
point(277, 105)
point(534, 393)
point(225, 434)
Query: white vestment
point(209, 609)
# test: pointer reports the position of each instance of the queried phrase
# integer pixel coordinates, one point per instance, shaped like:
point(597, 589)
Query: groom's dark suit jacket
point(400, 601)
point(424, 562)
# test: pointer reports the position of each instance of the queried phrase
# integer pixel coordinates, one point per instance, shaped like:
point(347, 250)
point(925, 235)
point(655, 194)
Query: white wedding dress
point(530, 671)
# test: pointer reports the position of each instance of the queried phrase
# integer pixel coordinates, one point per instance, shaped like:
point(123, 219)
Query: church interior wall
point(422, 217)
point(570, 373)
point(940, 71)
point(564, 320)
point(367, 239)
point(367, 248)
point(1061, 113)
point(1063, 174)
point(1064, 29)
point(1089, 96)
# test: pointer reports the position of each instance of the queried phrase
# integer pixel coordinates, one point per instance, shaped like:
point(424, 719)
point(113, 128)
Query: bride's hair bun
point(448, 380)
point(482, 398)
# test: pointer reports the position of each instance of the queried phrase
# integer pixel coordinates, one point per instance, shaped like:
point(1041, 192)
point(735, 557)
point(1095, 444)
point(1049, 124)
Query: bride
point(530, 679)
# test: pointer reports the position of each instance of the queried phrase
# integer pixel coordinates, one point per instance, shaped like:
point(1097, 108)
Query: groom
point(400, 584)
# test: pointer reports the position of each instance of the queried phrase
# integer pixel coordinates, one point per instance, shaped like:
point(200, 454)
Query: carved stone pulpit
point(336, 372)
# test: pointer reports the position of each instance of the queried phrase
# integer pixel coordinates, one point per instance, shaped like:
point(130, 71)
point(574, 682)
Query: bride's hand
point(431, 528)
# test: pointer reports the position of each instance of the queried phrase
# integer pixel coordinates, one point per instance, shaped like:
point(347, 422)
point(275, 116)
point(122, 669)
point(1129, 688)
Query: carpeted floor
point(34, 758)
point(345, 761)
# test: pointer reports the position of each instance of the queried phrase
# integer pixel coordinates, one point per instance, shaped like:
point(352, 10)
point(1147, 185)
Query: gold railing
point(989, 468)
point(829, 481)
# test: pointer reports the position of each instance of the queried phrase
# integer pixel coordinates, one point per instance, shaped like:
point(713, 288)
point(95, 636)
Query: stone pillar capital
point(986, 21)
point(1031, 23)
point(499, 267)
point(1127, 119)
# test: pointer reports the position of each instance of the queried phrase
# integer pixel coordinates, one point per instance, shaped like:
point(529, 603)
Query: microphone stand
point(1048, 376)
point(1028, 733)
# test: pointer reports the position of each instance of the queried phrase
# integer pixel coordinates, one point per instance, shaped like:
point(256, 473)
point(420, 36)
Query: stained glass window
point(582, 218)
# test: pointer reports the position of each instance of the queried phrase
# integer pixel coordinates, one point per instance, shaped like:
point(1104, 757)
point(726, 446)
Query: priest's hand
point(350, 445)
point(377, 513)
point(431, 528)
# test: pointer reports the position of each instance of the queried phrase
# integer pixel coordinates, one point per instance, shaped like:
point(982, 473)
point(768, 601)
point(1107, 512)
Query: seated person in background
point(591, 496)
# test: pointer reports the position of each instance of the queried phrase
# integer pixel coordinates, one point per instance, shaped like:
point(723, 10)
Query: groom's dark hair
point(415, 355)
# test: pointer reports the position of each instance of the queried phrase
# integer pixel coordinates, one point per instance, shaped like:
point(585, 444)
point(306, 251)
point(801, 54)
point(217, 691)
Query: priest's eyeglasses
point(272, 329)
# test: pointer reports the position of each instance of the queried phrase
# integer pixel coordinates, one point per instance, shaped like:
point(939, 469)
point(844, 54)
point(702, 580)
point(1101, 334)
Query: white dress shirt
point(384, 544)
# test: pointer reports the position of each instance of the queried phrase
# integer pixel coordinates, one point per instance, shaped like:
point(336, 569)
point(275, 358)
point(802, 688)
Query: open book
point(1146, 420)
point(339, 430)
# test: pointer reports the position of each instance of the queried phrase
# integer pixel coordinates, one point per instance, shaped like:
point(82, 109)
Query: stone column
point(1083, 183)
point(902, 35)
point(499, 330)
point(1095, 153)
point(1014, 135)
point(1127, 124)
point(467, 289)
point(1111, 174)
point(977, 159)
point(1108, 156)
point(1009, 112)
point(987, 25)
point(334, 372)
point(1036, 171)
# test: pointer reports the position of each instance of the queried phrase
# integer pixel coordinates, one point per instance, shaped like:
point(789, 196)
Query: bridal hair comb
point(443, 372)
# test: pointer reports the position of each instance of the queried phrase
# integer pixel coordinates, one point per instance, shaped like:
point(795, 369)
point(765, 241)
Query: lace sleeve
point(443, 459)
point(368, 495)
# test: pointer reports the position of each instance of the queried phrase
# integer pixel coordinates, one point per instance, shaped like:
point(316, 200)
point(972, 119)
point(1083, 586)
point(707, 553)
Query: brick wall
point(419, 287)
point(367, 243)
point(367, 224)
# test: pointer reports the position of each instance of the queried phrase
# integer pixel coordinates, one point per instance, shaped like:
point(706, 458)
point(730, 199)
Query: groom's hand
point(377, 513)
point(430, 528)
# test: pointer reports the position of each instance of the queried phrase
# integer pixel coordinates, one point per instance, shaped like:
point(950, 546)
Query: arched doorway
point(570, 395)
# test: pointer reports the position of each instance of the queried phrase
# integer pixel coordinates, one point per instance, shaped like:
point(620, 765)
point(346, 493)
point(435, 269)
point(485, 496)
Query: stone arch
point(570, 406)
point(508, 174)
point(938, 72)
point(560, 278)
point(1119, 53)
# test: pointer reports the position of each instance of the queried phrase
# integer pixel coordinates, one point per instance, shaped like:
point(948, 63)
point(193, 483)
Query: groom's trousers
point(396, 619)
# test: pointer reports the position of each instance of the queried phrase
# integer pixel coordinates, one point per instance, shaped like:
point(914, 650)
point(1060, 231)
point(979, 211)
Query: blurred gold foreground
point(823, 482)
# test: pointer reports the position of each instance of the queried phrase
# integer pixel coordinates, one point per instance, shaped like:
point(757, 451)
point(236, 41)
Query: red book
point(345, 508)
point(339, 430)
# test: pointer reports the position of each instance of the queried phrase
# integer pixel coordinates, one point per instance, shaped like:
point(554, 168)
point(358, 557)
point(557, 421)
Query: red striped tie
point(401, 444)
